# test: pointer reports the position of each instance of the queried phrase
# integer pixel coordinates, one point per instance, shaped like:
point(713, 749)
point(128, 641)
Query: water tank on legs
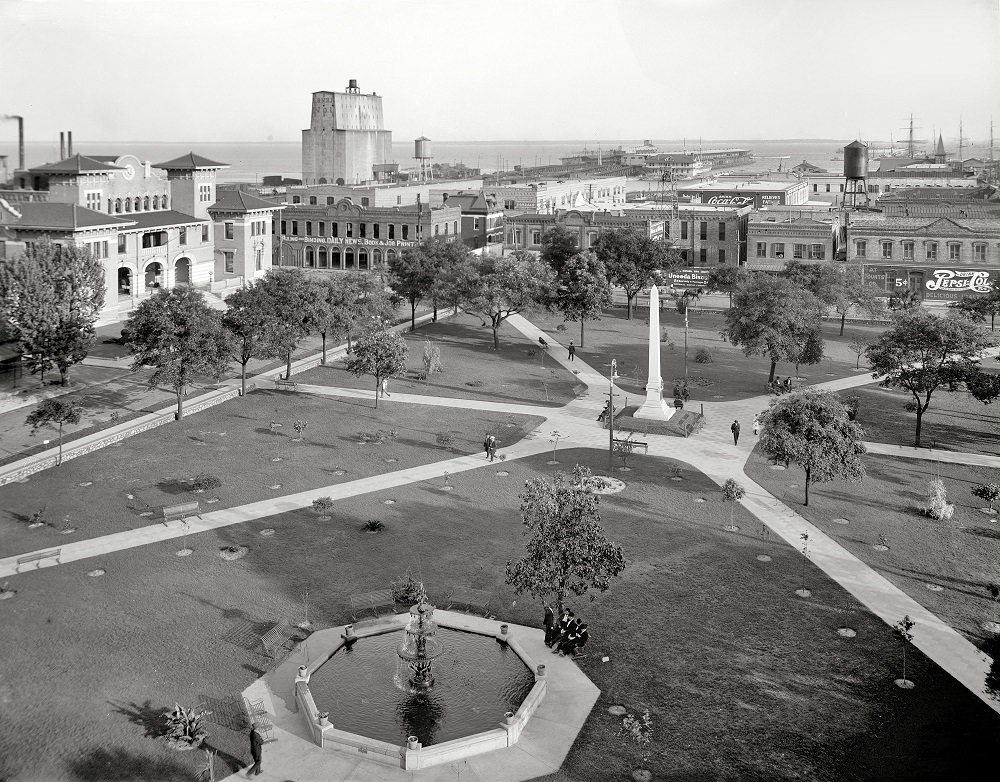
point(422, 148)
point(856, 160)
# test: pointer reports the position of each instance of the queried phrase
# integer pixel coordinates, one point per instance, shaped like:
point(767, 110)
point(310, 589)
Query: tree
point(506, 286)
point(50, 298)
point(379, 352)
point(987, 491)
point(977, 307)
point(179, 335)
point(725, 279)
point(859, 344)
point(295, 309)
point(851, 291)
point(348, 300)
point(632, 260)
point(819, 279)
point(54, 412)
point(411, 275)
point(581, 290)
point(732, 493)
point(902, 630)
point(454, 267)
point(772, 317)
point(812, 350)
point(246, 319)
point(568, 550)
point(558, 246)
point(920, 352)
point(812, 429)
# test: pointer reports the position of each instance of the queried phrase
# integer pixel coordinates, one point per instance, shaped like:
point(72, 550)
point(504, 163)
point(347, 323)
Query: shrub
point(432, 359)
point(475, 383)
point(664, 336)
point(114, 416)
point(910, 407)
point(938, 506)
point(374, 525)
point(531, 352)
point(407, 590)
point(184, 727)
point(323, 504)
point(703, 356)
point(204, 482)
point(638, 731)
point(561, 327)
point(300, 427)
point(379, 436)
point(443, 438)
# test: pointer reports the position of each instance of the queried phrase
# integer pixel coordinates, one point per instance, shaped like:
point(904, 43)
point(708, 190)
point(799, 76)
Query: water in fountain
point(419, 648)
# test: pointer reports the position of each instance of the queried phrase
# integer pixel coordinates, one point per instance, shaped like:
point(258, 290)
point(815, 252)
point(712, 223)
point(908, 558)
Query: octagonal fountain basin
point(366, 690)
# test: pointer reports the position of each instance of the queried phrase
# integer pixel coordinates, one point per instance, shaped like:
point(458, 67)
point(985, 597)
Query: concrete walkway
point(712, 452)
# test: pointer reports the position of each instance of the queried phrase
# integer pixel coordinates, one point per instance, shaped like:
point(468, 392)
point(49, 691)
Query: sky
point(457, 70)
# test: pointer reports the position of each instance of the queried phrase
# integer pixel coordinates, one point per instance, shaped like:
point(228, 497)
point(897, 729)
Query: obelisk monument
point(655, 406)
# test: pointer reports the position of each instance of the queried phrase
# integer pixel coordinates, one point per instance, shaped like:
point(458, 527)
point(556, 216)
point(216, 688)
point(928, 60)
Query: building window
point(437, 230)
point(154, 239)
point(309, 229)
point(954, 252)
point(183, 235)
point(145, 204)
point(861, 248)
point(260, 259)
point(228, 255)
point(703, 256)
point(284, 227)
point(446, 229)
point(536, 237)
point(722, 255)
point(94, 200)
point(406, 232)
point(156, 202)
point(365, 201)
point(703, 230)
point(778, 250)
point(979, 252)
point(931, 249)
point(392, 231)
point(684, 230)
point(334, 231)
point(454, 226)
point(295, 227)
point(296, 199)
point(350, 230)
point(908, 251)
point(798, 251)
point(817, 252)
point(475, 223)
point(375, 231)
point(815, 188)
point(229, 230)
point(312, 200)
point(121, 243)
point(722, 230)
point(828, 187)
point(362, 230)
point(330, 200)
point(163, 202)
point(761, 249)
point(321, 226)
point(509, 204)
point(886, 249)
point(310, 257)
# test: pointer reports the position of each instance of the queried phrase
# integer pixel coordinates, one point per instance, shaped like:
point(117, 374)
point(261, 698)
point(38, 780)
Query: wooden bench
point(273, 641)
point(371, 601)
point(37, 558)
point(174, 512)
point(628, 441)
point(284, 384)
point(478, 599)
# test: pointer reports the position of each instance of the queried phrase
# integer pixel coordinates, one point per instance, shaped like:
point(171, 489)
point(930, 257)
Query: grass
point(730, 375)
point(234, 442)
point(519, 372)
point(960, 554)
point(743, 679)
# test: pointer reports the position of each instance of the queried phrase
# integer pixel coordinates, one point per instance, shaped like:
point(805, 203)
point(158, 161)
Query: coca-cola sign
point(970, 280)
point(730, 200)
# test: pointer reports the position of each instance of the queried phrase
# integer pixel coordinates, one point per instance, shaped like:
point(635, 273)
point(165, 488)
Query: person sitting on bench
point(567, 631)
point(575, 641)
point(561, 628)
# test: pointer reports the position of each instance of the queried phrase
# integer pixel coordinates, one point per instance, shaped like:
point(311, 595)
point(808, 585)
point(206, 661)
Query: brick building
point(525, 231)
point(774, 240)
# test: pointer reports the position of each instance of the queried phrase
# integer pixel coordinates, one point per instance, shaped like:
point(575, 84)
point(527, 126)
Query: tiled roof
point(66, 217)
point(188, 162)
point(914, 224)
point(960, 194)
point(230, 200)
point(163, 219)
point(78, 164)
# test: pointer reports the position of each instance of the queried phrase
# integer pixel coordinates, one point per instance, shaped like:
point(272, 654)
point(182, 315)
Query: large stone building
point(735, 192)
point(346, 138)
point(525, 231)
point(704, 235)
point(243, 227)
point(482, 220)
point(346, 236)
point(775, 240)
point(550, 195)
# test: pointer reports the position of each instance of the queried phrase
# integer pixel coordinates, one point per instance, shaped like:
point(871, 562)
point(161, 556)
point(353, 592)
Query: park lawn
point(955, 421)
point(233, 441)
point(519, 372)
point(730, 375)
point(744, 680)
point(962, 555)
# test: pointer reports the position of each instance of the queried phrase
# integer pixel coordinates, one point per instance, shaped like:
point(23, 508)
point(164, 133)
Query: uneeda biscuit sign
point(687, 278)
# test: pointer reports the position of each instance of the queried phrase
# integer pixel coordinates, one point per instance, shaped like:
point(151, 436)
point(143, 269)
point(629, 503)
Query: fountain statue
point(419, 647)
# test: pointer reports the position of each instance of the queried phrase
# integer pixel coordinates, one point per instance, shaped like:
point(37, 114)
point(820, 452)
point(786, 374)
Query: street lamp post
point(611, 412)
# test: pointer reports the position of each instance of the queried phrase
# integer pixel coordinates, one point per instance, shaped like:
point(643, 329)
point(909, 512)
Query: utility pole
point(611, 413)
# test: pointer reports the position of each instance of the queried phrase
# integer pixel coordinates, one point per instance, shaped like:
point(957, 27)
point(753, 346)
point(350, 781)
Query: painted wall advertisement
point(682, 279)
point(737, 198)
point(934, 283)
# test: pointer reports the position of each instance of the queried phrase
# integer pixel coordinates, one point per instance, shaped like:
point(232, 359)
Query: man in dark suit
point(256, 743)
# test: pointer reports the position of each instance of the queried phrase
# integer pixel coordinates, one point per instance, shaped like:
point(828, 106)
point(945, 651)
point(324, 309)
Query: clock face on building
point(129, 172)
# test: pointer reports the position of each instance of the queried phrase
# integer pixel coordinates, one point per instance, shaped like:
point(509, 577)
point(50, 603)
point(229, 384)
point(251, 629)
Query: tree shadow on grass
point(102, 764)
point(983, 532)
point(146, 716)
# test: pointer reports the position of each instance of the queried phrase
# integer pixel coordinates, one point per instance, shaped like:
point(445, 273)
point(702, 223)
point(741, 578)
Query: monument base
point(656, 409)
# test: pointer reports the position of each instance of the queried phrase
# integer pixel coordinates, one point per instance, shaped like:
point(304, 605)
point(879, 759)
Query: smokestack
point(62, 145)
point(69, 137)
point(20, 139)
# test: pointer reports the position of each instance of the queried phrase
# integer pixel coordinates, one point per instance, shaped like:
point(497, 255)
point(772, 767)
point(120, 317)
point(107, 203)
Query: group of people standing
point(490, 446)
point(565, 635)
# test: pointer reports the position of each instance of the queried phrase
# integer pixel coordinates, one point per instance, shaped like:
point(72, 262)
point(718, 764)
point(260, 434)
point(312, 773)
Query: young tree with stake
point(732, 493)
point(902, 630)
point(54, 412)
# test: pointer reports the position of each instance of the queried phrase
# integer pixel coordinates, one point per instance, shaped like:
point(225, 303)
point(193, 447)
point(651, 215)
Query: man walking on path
point(490, 446)
point(735, 429)
point(572, 351)
point(256, 742)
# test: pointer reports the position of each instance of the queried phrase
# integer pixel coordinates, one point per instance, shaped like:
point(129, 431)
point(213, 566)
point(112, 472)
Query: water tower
point(855, 175)
point(422, 154)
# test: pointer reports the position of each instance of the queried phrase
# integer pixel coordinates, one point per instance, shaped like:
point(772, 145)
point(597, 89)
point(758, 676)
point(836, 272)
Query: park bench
point(37, 557)
point(284, 384)
point(633, 443)
point(174, 512)
point(274, 640)
point(478, 599)
point(371, 601)
point(257, 715)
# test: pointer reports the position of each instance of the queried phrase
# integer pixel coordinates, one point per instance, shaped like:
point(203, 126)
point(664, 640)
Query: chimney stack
point(69, 137)
point(62, 145)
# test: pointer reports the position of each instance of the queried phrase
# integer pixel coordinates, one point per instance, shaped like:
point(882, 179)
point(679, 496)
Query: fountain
point(419, 648)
